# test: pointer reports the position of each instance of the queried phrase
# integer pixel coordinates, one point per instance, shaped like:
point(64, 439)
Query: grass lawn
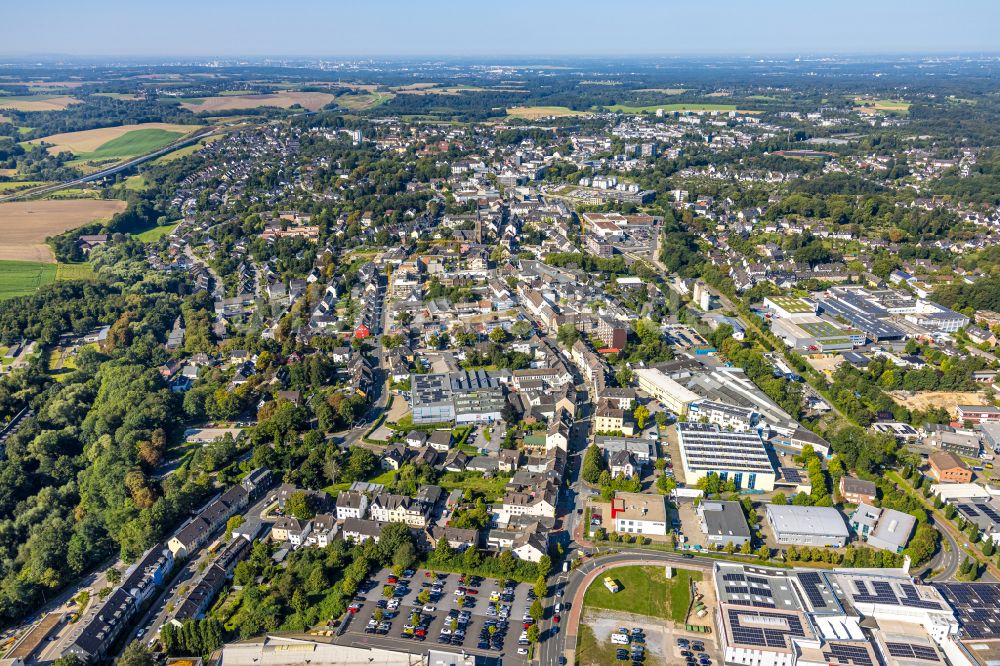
point(644, 591)
point(82, 271)
point(137, 142)
point(490, 488)
point(20, 278)
point(136, 183)
point(670, 108)
point(156, 233)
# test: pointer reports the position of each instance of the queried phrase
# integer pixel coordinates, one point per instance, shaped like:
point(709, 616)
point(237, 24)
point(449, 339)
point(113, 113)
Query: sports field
point(26, 224)
point(535, 112)
point(314, 101)
point(37, 102)
point(121, 141)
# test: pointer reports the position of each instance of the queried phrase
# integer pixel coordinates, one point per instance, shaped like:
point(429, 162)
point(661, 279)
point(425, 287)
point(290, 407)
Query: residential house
point(946, 467)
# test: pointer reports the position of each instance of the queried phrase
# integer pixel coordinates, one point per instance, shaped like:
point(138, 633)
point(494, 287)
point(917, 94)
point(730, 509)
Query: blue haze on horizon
point(372, 28)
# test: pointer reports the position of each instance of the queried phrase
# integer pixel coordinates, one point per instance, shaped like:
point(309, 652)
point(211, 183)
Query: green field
point(137, 142)
point(156, 233)
point(84, 271)
point(645, 591)
point(136, 183)
point(364, 101)
point(11, 186)
point(20, 278)
point(899, 106)
point(670, 108)
point(535, 112)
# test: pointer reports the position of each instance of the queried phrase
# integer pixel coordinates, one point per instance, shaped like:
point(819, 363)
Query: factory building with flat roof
point(674, 396)
point(739, 457)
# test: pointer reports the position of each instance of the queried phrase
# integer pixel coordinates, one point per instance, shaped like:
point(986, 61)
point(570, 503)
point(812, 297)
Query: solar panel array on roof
point(839, 653)
point(910, 651)
point(791, 474)
point(711, 449)
point(776, 637)
point(977, 606)
point(811, 584)
point(881, 592)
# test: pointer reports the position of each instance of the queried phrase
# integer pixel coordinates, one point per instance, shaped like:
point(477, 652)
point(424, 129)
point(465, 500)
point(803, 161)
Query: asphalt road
point(157, 613)
point(574, 585)
point(97, 175)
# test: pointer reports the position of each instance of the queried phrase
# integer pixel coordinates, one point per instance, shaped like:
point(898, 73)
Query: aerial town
point(346, 362)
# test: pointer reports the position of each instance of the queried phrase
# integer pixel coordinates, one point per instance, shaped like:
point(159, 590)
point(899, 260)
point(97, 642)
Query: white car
point(522, 650)
point(429, 609)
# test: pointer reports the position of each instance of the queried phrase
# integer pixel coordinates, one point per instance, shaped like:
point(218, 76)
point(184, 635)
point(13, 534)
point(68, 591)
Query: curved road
point(574, 585)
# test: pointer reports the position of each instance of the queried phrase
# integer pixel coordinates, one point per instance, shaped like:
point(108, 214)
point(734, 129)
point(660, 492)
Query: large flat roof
point(667, 385)
point(815, 520)
point(706, 448)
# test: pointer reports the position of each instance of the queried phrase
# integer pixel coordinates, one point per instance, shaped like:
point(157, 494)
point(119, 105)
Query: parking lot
point(444, 622)
point(657, 643)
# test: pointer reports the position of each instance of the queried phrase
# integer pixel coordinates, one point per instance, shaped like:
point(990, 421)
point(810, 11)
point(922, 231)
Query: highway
point(110, 171)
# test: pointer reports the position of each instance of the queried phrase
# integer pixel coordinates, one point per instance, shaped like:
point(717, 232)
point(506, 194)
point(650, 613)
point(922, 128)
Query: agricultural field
point(535, 112)
point(128, 97)
point(364, 101)
point(20, 278)
point(663, 91)
point(26, 224)
point(671, 108)
point(872, 106)
point(313, 101)
point(38, 102)
point(10, 187)
point(117, 142)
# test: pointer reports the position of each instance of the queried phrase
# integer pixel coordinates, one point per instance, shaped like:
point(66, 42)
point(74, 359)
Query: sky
point(375, 28)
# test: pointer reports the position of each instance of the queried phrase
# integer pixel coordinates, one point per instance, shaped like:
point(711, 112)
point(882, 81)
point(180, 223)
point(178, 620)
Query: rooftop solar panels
point(967, 510)
point(733, 576)
point(990, 512)
point(977, 606)
point(910, 651)
point(811, 584)
point(764, 629)
point(874, 592)
point(910, 598)
point(852, 655)
point(791, 474)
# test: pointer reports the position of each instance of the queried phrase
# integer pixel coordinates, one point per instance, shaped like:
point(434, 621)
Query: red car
point(393, 580)
point(555, 618)
point(471, 590)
